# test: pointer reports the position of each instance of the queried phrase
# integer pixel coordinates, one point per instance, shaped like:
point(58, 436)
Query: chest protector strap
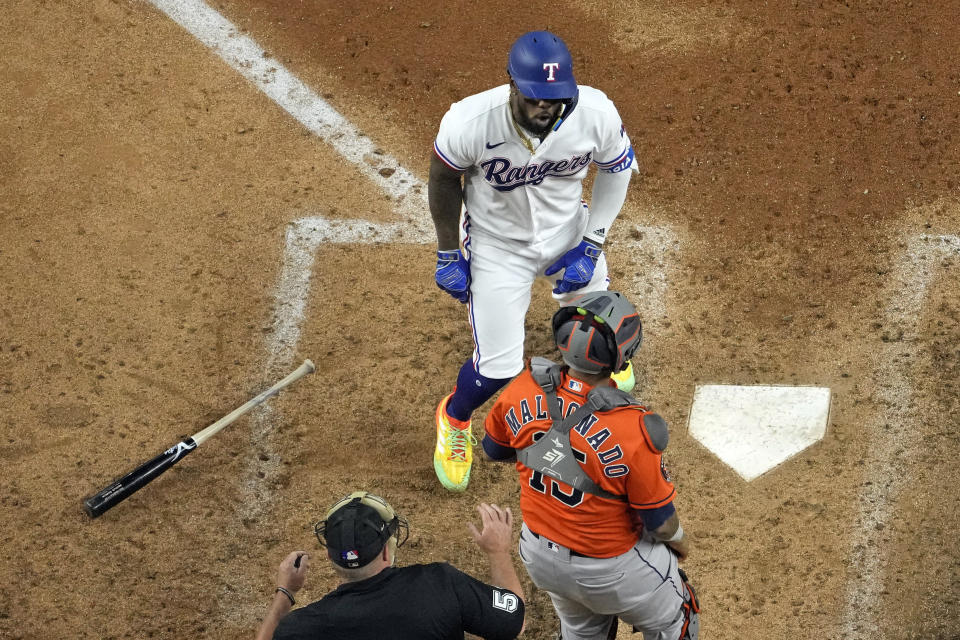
point(552, 454)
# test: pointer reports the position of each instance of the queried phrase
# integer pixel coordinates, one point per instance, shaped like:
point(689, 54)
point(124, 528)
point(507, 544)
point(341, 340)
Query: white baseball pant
point(502, 274)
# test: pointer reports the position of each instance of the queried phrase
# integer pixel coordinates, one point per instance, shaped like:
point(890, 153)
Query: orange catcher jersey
point(613, 448)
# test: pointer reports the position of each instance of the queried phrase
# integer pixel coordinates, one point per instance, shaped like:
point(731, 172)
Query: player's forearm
point(608, 195)
point(445, 196)
point(503, 574)
point(681, 547)
point(673, 535)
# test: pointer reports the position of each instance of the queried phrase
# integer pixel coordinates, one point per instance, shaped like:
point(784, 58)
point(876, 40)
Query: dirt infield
point(795, 222)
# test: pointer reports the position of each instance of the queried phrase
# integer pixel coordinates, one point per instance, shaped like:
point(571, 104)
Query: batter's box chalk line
point(893, 442)
point(658, 245)
point(306, 235)
point(304, 238)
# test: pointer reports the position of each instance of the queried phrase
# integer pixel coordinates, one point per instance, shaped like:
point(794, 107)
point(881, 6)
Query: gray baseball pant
point(641, 587)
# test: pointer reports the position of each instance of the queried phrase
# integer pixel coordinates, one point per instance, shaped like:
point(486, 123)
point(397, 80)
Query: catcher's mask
point(597, 332)
point(541, 67)
point(356, 528)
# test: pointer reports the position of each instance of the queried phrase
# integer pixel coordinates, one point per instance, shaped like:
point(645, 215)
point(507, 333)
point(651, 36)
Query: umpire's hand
point(293, 571)
point(495, 538)
point(496, 533)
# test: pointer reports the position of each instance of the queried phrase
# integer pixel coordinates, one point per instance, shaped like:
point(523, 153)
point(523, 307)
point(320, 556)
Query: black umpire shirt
point(419, 602)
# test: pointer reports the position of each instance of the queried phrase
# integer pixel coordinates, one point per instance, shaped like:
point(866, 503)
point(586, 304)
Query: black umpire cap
point(357, 527)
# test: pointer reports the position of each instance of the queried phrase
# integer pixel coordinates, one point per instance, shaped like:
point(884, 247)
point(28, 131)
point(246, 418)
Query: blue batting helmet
point(541, 67)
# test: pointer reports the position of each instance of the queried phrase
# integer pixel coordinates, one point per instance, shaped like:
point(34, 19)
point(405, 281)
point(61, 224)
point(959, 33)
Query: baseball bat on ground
point(126, 485)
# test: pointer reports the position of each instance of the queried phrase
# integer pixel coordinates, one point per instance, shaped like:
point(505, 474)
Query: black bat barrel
point(128, 484)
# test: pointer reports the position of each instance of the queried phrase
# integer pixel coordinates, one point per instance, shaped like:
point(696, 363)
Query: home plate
point(755, 428)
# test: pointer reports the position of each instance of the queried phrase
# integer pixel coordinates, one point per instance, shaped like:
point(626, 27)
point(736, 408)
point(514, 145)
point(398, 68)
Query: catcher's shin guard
point(691, 610)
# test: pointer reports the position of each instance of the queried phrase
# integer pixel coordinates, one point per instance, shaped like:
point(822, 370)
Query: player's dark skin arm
point(667, 530)
point(445, 195)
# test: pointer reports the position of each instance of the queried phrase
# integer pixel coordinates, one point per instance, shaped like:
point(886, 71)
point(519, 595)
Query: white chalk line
point(894, 435)
point(252, 62)
point(650, 287)
point(304, 236)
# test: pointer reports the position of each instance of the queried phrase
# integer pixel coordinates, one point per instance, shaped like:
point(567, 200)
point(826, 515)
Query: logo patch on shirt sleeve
point(505, 601)
point(624, 164)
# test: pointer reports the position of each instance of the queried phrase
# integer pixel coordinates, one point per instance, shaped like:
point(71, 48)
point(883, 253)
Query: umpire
point(376, 600)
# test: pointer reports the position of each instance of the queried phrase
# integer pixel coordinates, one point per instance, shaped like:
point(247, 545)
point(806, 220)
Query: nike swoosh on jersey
point(494, 146)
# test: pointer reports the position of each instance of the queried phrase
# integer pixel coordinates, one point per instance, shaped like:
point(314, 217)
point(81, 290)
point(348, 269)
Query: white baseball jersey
point(513, 195)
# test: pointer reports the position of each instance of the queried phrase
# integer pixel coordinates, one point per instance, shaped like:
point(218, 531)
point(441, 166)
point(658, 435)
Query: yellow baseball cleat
point(625, 379)
point(453, 455)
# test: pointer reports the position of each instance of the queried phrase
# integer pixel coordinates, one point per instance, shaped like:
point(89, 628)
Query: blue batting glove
point(453, 274)
point(577, 265)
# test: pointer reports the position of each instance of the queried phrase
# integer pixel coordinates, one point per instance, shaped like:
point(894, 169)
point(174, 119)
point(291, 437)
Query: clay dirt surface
point(794, 222)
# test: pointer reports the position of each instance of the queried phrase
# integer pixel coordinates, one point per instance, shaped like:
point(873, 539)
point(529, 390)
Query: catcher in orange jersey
point(600, 532)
